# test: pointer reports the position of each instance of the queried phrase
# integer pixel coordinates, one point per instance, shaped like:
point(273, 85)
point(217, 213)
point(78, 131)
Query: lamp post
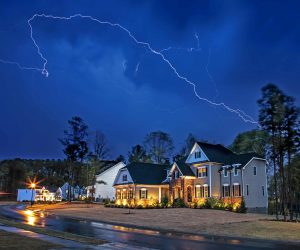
point(32, 186)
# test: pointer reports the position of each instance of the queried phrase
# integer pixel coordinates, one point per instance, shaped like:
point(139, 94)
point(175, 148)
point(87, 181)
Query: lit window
point(226, 191)
point(202, 172)
point(143, 193)
point(124, 177)
point(236, 190)
point(254, 171)
point(206, 192)
point(197, 191)
point(118, 194)
point(124, 194)
point(130, 194)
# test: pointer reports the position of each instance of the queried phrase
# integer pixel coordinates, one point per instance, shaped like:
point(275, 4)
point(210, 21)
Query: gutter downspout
point(210, 180)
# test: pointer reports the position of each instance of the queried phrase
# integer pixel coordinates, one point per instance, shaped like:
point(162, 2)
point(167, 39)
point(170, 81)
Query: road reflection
point(33, 218)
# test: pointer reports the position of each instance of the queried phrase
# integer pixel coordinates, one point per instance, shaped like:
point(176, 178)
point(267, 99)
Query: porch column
point(159, 194)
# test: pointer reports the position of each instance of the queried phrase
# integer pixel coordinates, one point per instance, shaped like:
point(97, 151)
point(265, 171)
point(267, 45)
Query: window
point(197, 191)
point(124, 194)
point(202, 172)
point(130, 194)
point(124, 177)
point(176, 174)
point(263, 190)
point(236, 190)
point(247, 189)
point(226, 191)
point(225, 172)
point(118, 194)
point(143, 193)
point(206, 191)
point(235, 171)
point(254, 171)
point(197, 154)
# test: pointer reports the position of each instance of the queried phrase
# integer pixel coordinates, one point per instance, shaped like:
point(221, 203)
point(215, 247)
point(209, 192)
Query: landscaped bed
point(197, 221)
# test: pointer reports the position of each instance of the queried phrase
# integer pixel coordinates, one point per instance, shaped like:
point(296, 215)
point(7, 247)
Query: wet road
point(136, 237)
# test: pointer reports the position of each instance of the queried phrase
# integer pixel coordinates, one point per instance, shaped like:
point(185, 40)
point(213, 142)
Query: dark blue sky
point(242, 46)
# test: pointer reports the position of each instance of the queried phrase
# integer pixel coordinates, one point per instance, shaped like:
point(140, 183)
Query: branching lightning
point(20, 66)
point(246, 118)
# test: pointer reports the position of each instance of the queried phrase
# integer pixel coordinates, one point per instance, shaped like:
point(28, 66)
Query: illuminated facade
point(141, 184)
point(211, 170)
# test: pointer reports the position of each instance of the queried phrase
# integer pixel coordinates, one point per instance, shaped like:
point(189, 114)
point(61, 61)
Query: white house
point(105, 179)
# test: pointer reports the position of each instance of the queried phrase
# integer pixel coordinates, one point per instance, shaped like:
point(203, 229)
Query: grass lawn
point(15, 241)
point(199, 221)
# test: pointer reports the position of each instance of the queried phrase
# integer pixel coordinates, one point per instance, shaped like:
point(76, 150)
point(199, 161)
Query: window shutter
point(197, 170)
point(140, 194)
point(208, 187)
point(146, 194)
point(206, 174)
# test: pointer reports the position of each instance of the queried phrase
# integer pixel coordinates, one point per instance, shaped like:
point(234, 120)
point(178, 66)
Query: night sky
point(242, 46)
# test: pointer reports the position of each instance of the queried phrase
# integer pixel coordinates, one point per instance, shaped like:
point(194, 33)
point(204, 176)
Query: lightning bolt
point(20, 66)
point(246, 118)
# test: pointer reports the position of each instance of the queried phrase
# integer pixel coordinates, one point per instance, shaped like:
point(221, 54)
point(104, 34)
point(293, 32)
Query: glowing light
point(30, 217)
point(33, 183)
point(246, 118)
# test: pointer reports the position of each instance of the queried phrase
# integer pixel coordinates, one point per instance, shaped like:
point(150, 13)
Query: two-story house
point(211, 170)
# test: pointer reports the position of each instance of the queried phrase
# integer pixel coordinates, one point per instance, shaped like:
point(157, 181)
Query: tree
point(101, 150)
point(278, 117)
point(159, 146)
point(121, 158)
point(75, 146)
point(137, 154)
point(250, 141)
point(189, 143)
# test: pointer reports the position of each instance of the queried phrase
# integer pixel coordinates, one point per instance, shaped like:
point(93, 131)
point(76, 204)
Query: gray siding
point(255, 198)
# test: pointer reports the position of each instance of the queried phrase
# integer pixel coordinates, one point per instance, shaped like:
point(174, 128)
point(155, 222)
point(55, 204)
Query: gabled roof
point(216, 152)
point(220, 154)
point(147, 173)
point(104, 165)
point(184, 168)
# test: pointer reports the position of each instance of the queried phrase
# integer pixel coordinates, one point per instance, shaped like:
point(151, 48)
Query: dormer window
point(124, 177)
point(197, 154)
point(235, 171)
point(225, 172)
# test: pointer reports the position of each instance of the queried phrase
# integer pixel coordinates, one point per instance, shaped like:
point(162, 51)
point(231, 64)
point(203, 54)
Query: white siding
point(255, 198)
point(119, 177)
point(192, 159)
point(108, 176)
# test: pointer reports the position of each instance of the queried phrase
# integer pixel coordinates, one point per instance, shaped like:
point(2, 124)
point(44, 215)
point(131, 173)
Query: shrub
point(179, 203)
point(242, 207)
point(201, 203)
point(139, 206)
point(164, 201)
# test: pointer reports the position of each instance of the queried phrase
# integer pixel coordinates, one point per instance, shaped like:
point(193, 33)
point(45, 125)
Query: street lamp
point(32, 186)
